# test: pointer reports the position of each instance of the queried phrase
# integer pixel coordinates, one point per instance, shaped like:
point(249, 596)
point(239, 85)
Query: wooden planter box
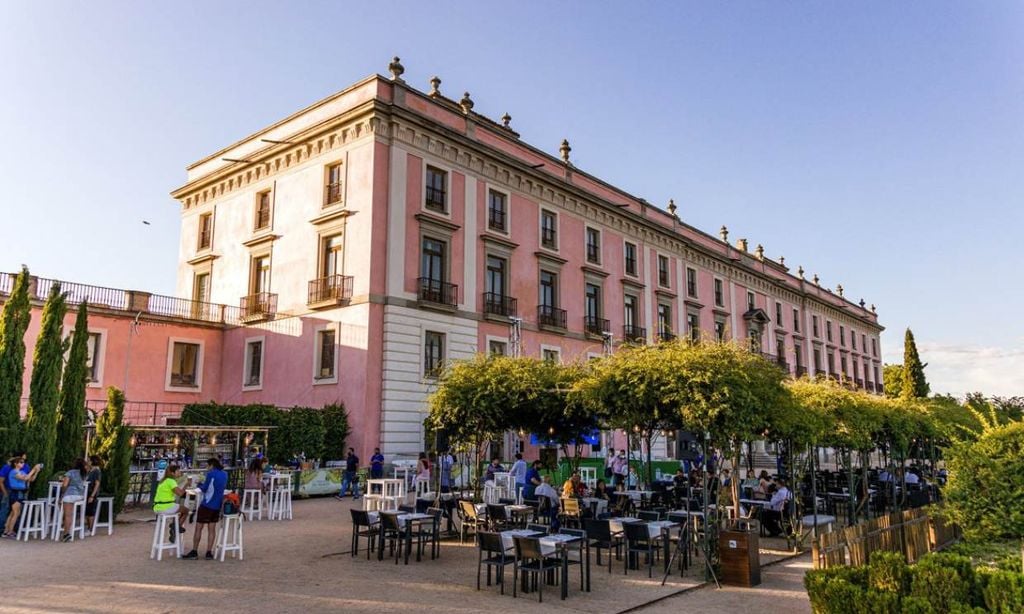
point(739, 555)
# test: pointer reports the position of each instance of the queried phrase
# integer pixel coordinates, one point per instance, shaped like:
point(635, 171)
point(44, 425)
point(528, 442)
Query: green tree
point(914, 385)
point(40, 430)
point(13, 324)
point(113, 445)
point(986, 484)
point(892, 379)
point(71, 409)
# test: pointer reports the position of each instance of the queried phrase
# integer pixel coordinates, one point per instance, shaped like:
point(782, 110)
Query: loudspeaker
point(687, 446)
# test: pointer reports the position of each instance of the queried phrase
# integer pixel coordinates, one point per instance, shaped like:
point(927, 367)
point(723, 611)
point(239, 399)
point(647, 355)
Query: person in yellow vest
point(166, 499)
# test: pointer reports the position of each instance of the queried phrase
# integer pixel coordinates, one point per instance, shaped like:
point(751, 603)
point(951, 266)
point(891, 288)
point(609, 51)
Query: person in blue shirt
point(210, 501)
point(351, 477)
point(18, 480)
point(5, 488)
point(377, 464)
point(518, 471)
point(532, 480)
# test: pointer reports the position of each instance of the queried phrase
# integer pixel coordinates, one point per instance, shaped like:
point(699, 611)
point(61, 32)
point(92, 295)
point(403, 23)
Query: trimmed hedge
point(315, 432)
point(940, 583)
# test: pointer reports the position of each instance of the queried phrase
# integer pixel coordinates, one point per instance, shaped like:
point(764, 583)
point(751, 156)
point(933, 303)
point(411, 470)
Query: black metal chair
point(492, 553)
point(540, 528)
point(649, 515)
point(582, 535)
point(530, 560)
point(599, 533)
point(497, 518)
point(407, 509)
point(363, 527)
point(396, 535)
point(639, 540)
point(469, 519)
point(429, 533)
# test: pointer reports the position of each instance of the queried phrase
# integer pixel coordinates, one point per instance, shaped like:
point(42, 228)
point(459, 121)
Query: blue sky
point(878, 144)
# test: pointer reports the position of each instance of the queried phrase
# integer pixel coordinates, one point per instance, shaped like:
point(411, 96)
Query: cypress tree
point(40, 430)
point(13, 324)
point(113, 445)
point(914, 384)
point(71, 410)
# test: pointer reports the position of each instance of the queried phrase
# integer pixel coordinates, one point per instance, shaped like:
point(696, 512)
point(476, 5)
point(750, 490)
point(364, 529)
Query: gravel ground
point(304, 565)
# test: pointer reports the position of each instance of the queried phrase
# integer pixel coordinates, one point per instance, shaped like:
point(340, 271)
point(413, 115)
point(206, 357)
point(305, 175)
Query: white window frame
point(99, 354)
point(247, 357)
point(487, 343)
point(488, 188)
point(199, 365)
point(447, 191)
point(320, 381)
point(551, 348)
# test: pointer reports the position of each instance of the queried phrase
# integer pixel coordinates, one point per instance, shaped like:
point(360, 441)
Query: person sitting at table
point(573, 487)
point(911, 477)
point(726, 480)
point(548, 498)
point(533, 480)
point(165, 501)
point(422, 470)
point(773, 512)
point(494, 467)
point(763, 483)
point(254, 475)
point(884, 476)
point(601, 491)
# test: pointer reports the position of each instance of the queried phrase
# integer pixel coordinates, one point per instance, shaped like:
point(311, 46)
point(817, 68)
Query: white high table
point(385, 492)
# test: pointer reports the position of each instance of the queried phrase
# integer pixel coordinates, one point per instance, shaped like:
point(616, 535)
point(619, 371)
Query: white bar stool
point(77, 521)
point(109, 522)
point(53, 509)
point(252, 503)
point(229, 537)
point(161, 534)
point(33, 519)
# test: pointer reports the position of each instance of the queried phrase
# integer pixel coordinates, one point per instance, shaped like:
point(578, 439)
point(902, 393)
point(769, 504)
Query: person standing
point(212, 497)
point(620, 468)
point(447, 461)
point(377, 464)
point(351, 467)
point(5, 487)
point(95, 468)
point(74, 488)
point(17, 490)
point(533, 480)
point(519, 473)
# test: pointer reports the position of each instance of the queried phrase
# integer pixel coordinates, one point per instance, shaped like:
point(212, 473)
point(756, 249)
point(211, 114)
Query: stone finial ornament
point(759, 251)
point(862, 303)
point(506, 119)
point(742, 244)
point(466, 103)
point(724, 234)
point(435, 87)
point(817, 282)
point(396, 69)
point(564, 150)
point(839, 289)
point(782, 260)
point(800, 271)
point(672, 207)
point(872, 308)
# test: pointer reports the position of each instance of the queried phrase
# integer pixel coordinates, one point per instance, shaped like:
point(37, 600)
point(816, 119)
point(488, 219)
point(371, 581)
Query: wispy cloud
point(958, 369)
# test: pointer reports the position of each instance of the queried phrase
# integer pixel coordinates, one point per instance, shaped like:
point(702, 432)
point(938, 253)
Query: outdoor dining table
point(655, 529)
point(598, 506)
point(521, 513)
point(560, 544)
point(405, 521)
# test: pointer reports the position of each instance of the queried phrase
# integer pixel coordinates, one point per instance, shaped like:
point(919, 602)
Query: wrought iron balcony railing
point(499, 304)
point(259, 305)
point(334, 288)
point(595, 325)
point(438, 292)
point(635, 334)
point(550, 316)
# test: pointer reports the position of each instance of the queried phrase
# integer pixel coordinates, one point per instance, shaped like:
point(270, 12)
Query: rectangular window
point(259, 275)
point(664, 320)
point(630, 315)
point(92, 357)
point(495, 280)
point(842, 365)
point(876, 380)
point(497, 211)
point(814, 326)
point(780, 349)
point(433, 354)
point(330, 256)
point(798, 355)
point(750, 301)
point(691, 282)
point(497, 348)
point(817, 360)
point(548, 229)
point(437, 190)
point(874, 348)
point(828, 333)
point(796, 320)
point(201, 288)
point(551, 355)
point(254, 363)
point(831, 363)
point(185, 364)
point(333, 191)
point(853, 340)
point(778, 316)
point(719, 294)
point(693, 326)
point(630, 259)
point(548, 289)
point(592, 303)
point(864, 343)
point(593, 246)
point(262, 211)
point(842, 335)
point(432, 261)
point(856, 370)
point(325, 354)
point(205, 230)
point(720, 330)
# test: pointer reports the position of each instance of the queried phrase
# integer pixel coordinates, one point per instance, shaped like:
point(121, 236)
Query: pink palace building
point(346, 252)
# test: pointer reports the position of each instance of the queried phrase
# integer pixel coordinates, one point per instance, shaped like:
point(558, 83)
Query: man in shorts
point(211, 499)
